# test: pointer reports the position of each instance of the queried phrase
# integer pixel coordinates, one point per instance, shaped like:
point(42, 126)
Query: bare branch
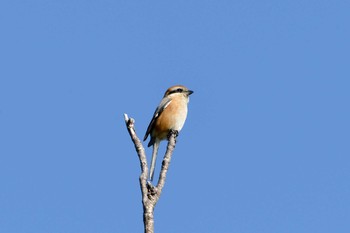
point(150, 193)
point(130, 124)
point(166, 161)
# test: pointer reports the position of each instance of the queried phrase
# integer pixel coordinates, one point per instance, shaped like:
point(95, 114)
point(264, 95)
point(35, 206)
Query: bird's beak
point(189, 92)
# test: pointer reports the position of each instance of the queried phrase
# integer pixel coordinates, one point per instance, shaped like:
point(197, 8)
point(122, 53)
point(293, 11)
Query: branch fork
point(150, 193)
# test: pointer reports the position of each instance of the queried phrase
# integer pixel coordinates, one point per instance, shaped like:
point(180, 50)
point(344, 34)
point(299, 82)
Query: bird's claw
point(173, 131)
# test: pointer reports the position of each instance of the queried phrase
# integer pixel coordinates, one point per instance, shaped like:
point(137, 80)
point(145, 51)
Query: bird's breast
point(172, 117)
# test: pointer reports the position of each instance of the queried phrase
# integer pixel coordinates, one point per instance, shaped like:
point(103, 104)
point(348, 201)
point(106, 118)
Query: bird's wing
point(163, 104)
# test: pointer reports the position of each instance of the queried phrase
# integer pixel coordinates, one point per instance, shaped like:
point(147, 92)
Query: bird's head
point(178, 90)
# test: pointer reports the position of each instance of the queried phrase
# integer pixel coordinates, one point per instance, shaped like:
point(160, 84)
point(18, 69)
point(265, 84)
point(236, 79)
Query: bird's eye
point(179, 90)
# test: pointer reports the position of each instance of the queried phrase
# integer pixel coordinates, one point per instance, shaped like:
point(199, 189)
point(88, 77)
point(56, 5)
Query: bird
point(170, 115)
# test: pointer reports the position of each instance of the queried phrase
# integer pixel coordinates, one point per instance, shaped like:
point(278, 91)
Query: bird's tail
point(154, 158)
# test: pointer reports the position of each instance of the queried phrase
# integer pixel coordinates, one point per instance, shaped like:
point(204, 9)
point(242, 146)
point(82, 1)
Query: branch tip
point(126, 118)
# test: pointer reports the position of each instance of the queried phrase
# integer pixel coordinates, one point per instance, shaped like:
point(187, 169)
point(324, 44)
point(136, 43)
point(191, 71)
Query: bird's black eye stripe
point(179, 90)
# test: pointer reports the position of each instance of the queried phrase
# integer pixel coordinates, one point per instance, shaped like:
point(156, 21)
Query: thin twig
point(166, 161)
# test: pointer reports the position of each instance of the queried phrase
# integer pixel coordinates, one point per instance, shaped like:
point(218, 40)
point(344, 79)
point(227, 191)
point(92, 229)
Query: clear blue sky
point(266, 144)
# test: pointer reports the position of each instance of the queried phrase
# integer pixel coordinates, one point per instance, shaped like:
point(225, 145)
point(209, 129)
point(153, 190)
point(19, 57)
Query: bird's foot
point(173, 131)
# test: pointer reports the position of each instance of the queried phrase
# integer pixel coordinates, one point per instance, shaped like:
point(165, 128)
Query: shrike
point(170, 114)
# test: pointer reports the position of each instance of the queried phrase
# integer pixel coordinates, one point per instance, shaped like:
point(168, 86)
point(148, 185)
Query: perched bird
point(170, 114)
